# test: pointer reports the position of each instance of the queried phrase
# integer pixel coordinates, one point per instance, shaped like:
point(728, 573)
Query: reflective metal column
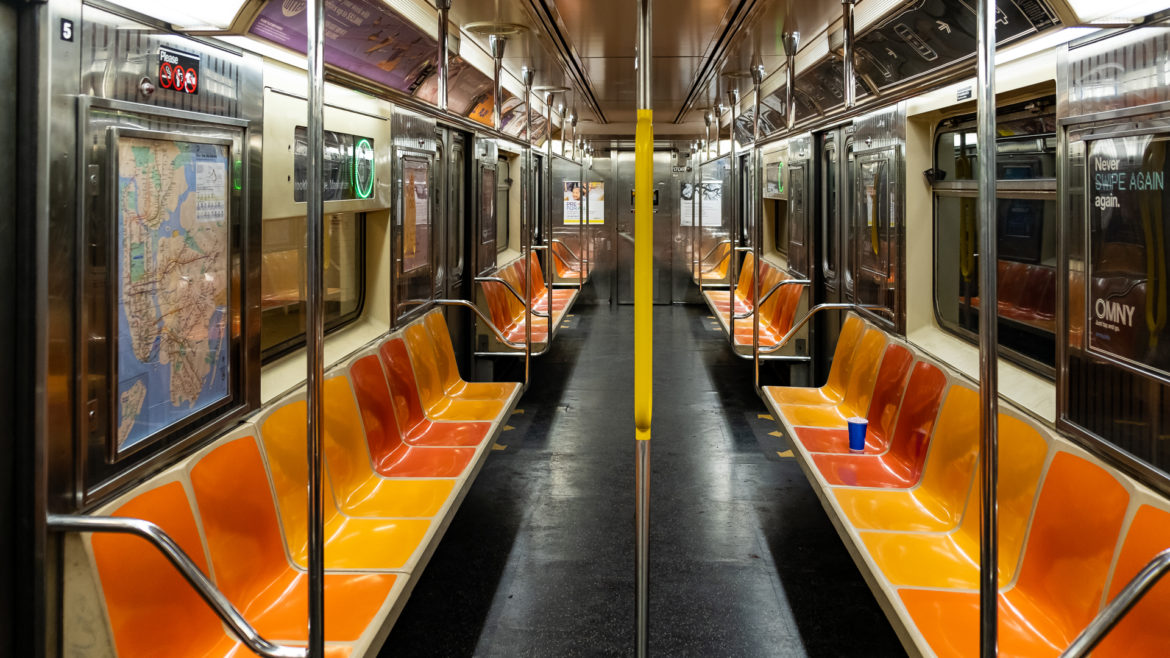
point(497, 44)
point(643, 322)
point(757, 230)
point(847, 54)
point(315, 321)
point(791, 45)
point(444, 7)
point(526, 76)
point(988, 331)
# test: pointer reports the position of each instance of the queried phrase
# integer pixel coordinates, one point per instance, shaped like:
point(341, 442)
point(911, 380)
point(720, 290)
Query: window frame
point(1041, 189)
point(298, 340)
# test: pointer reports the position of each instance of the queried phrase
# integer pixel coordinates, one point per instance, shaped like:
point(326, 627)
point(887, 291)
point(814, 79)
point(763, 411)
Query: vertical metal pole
point(444, 7)
point(643, 321)
point(526, 76)
point(315, 322)
point(733, 263)
point(580, 225)
point(988, 331)
point(497, 43)
point(546, 231)
point(757, 228)
point(847, 54)
point(791, 45)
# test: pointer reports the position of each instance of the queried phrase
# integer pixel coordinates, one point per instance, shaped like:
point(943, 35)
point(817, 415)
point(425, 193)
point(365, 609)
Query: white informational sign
point(573, 202)
point(711, 203)
point(687, 209)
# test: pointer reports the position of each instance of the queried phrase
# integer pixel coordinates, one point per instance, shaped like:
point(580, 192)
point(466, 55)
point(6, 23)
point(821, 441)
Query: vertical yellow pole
point(643, 323)
point(643, 272)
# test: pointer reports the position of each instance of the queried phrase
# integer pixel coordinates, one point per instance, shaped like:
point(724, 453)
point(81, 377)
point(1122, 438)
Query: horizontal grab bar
point(496, 279)
point(801, 282)
point(158, 538)
point(807, 316)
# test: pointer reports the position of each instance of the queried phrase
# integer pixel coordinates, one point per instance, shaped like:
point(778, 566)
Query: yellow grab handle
point(644, 273)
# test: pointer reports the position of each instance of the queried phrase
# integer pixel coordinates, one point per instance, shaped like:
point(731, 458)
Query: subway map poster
point(172, 291)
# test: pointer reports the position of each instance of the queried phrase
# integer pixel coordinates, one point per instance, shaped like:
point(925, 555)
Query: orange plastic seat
point(416, 428)
point(1145, 630)
point(951, 560)
point(562, 298)
point(453, 384)
point(392, 457)
point(716, 273)
point(247, 551)
point(388, 543)
point(858, 389)
point(438, 404)
point(566, 266)
point(883, 408)
point(936, 503)
point(901, 466)
point(149, 604)
point(1066, 561)
point(722, 301)
point(777, 318)
point(508, 312)
point(834, 389)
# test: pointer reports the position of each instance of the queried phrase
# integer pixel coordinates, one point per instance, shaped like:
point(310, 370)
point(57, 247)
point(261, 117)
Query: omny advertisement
point(1128, 233)
point(574, 202)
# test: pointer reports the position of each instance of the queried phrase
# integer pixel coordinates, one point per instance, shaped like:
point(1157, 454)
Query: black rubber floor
point(539, 560)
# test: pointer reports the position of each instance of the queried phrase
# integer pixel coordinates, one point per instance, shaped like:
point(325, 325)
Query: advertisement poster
point(1127, 312)
point(573, 202)
point(362, 37)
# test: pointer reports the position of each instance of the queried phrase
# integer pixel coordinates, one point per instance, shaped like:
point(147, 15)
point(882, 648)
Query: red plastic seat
point(902, 465)
point(415, 426)
point(883, 408)
point(1066, 561)
point(392, 456)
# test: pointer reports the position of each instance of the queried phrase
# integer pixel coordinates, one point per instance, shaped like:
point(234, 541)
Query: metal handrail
point(744, 248)
point(748, 314)
point(496, 279)
point(463, 302)
point(1121, 604)
point(834, 306)
point(158, 538)
point(567, 248)
point(712, 250)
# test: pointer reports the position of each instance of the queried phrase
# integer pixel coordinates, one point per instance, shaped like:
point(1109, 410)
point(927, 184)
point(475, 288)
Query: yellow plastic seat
point(936, 503)
point(438, 404)
point(834, 389)
point(453, 384)
point(358, 489)
point(350, 543)
point(858, 390)
point(952, 559)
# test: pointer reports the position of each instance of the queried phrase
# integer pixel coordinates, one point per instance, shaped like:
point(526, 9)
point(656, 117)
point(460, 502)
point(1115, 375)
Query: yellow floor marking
point(786, 453)
point(508, 427)
point(569, 315)
point(765, 416)
point(710, 317)
point(776, 434)
point(496, 446)
point(517, 411)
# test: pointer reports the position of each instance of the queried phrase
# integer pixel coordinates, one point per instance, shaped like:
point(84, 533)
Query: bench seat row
point(508, 311)
point(568, 267)
point(777, 313)
point(404, 436)
point(1072, 531)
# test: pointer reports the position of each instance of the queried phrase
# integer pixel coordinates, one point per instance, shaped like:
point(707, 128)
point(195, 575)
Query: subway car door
point(459, 226)
point(833, 153)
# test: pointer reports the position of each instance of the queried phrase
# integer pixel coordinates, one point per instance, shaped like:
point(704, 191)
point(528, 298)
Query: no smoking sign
point(178, 71)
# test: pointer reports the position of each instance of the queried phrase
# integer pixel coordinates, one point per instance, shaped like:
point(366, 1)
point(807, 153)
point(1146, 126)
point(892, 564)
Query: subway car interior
point(573, 328)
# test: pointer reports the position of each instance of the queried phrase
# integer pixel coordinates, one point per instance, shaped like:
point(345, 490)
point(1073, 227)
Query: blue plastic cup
point(857, 430)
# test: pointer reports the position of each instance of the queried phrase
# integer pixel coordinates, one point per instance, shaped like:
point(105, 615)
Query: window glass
point(1025, 228)
point(798, 220)
point(874, 233)
point(829, 201)
point(416, 216)
point(780, 232)
point(487, 206)
point(282, 278)
point(1026, 272)
point(503, 189)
